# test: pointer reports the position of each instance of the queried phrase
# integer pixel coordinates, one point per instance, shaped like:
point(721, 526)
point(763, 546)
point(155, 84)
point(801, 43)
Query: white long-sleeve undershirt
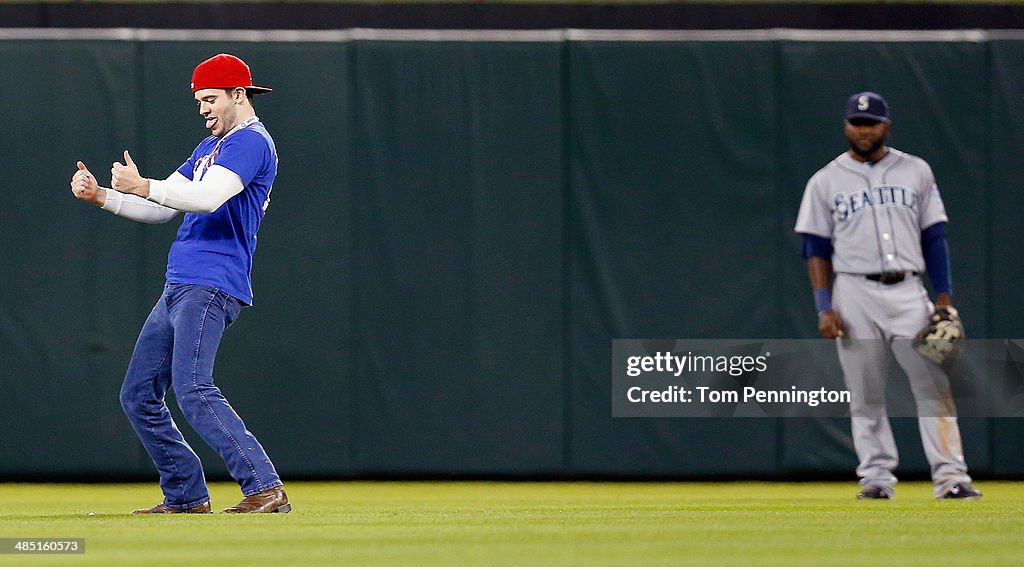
point(217, 185)
point(138, 209)
point(176, 194)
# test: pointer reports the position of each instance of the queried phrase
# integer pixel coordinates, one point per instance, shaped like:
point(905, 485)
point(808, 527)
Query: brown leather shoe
point(161, 508)
point(266, 502)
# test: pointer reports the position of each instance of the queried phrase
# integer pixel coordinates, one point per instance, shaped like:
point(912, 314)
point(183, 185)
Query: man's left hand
point(125, 177)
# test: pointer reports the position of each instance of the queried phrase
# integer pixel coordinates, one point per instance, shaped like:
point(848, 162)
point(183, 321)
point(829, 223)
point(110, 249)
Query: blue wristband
point(823, 299)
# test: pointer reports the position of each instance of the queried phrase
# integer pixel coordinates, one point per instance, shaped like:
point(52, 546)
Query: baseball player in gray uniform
point(873, 218)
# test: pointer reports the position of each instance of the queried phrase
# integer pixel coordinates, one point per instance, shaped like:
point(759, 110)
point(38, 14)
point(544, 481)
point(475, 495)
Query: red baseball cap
point(224, 71)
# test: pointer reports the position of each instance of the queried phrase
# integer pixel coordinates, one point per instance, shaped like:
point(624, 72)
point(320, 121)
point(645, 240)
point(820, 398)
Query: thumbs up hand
point(84, 185)
point(125, 177)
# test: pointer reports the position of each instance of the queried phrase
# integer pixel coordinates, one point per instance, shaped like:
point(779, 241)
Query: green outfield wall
point(464, 221)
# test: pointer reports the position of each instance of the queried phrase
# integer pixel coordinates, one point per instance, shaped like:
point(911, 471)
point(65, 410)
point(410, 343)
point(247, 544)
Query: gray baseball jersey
point(873, 213)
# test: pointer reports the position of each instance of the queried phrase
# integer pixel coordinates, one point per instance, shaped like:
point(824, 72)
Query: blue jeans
point(177, 348)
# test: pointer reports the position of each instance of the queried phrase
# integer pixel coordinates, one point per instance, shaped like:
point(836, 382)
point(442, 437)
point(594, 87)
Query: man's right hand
point(84, 186)
point(829, 324)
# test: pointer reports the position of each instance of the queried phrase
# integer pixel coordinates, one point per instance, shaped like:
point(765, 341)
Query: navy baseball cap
point(867, 105)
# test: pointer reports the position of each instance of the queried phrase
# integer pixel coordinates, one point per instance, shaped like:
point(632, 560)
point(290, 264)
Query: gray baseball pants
point(876, 318)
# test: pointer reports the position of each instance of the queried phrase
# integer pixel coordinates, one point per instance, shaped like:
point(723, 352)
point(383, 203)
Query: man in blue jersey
point(224, 190)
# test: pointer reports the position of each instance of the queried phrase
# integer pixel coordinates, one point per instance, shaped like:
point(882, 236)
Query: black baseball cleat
point(961, 491)
point(875, 493)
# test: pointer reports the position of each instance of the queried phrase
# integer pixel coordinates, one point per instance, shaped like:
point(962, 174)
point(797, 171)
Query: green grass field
point(490, 523)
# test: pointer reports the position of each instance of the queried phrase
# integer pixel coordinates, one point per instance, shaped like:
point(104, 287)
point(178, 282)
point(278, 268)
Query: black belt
point(888, 278)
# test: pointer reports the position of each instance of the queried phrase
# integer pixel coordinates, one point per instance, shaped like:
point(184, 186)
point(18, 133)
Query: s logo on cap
point(862, 102)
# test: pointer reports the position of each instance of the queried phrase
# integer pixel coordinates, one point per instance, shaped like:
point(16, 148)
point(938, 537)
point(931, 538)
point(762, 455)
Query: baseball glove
point(941, 338)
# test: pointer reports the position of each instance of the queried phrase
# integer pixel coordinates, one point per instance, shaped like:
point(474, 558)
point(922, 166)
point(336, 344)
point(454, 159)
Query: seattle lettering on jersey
point(847, 205)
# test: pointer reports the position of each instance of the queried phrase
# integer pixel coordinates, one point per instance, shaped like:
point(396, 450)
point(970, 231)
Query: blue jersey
point(216, 249)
